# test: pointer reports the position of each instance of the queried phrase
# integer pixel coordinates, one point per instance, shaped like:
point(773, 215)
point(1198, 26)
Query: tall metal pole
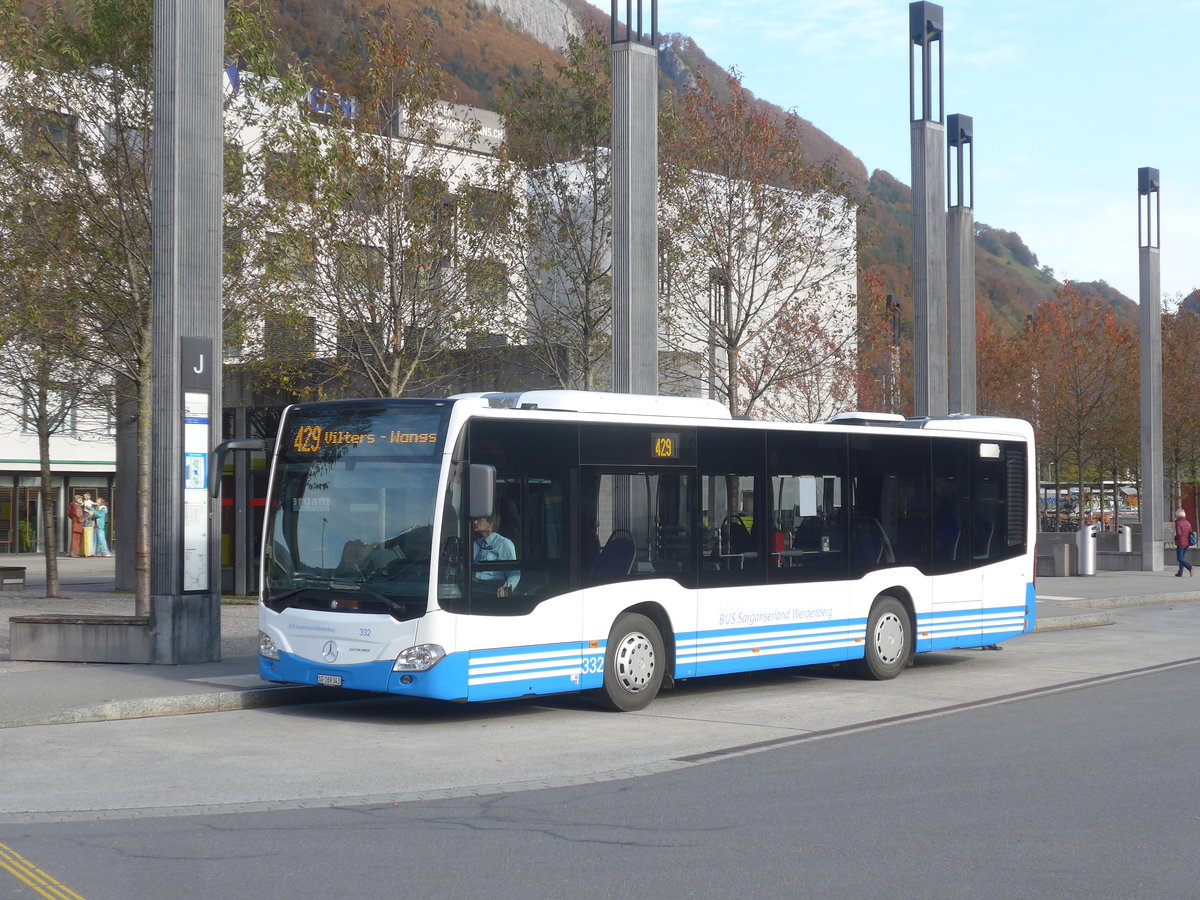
point(1152, 503)
point(960, 255)
point(929, 213)
point(635, 202)
point(185, 590)
point(891, 375)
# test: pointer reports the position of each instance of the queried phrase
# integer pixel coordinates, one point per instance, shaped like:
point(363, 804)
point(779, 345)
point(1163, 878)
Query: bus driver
point(492, 546)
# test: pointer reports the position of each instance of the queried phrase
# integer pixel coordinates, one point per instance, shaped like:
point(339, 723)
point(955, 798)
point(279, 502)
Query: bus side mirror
point(481, 489)
point(223, 449)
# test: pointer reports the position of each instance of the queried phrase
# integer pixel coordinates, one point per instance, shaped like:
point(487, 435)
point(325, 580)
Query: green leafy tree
point(43, 380)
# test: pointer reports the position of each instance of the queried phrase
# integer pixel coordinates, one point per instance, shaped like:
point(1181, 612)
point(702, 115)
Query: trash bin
point(1126, 539)
point(1085, 541)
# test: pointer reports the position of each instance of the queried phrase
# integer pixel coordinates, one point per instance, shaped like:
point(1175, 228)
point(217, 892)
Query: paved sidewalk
point(52, 692)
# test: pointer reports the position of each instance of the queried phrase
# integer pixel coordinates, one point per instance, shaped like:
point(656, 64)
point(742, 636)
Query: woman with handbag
point(1184, 538)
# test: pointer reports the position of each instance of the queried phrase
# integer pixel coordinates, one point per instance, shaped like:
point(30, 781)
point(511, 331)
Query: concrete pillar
point(929, 215)
point(960, 256)
point(185, 599)
point(1152, 503)
point(635, 204)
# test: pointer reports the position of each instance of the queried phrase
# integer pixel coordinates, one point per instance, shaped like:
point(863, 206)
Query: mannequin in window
point(75, 514)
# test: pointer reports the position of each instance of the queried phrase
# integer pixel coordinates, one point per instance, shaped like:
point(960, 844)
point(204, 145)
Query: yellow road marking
point(29, 874)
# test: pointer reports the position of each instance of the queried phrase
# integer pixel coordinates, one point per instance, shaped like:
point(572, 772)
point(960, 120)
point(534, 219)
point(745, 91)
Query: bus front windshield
point(352, 506)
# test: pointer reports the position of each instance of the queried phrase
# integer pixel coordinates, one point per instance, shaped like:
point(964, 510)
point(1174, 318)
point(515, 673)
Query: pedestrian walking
point(1184, 538)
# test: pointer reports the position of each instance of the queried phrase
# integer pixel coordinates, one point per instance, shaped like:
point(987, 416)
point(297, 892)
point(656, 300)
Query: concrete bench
point(96, 639)
point(12, 578)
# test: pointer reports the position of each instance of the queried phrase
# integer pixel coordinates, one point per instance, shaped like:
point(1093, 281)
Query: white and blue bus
point(497, 546)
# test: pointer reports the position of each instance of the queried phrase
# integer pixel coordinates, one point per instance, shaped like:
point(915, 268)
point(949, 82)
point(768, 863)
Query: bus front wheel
point(889, 640)
point(634, 664)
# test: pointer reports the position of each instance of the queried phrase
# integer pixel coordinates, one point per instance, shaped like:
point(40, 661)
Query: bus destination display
point(311, 438)
point(386, 432)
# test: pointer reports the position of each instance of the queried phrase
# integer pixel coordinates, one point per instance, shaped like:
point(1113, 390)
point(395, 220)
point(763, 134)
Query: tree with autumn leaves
point(1180, 362)
point(1072, 371)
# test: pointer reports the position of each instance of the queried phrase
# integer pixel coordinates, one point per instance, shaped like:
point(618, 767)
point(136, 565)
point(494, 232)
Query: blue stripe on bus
point(950, 629)
point(726, 650)
point(536, 669)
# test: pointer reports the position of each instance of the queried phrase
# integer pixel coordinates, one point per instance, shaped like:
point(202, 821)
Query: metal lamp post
point(1153, 510)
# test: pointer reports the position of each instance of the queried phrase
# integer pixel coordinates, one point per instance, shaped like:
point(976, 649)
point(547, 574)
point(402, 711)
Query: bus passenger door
point(637, 548)
point(957, 595)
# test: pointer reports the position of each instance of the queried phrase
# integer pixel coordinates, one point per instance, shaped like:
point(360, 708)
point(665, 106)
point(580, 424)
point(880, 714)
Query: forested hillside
point(1010, 280)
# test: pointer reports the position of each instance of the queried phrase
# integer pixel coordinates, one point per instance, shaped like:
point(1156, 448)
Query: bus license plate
point(331, 680)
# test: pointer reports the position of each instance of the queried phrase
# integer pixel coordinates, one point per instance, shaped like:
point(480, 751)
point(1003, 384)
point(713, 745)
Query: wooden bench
point(12, 578)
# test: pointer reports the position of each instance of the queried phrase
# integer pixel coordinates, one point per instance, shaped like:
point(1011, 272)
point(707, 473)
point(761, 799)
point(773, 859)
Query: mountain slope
point(1009, 281)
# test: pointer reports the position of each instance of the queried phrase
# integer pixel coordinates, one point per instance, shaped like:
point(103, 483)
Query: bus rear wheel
point(634, 664)
point(889, 640)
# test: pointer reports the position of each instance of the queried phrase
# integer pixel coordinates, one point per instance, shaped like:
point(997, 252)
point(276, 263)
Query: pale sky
point(1069, 100)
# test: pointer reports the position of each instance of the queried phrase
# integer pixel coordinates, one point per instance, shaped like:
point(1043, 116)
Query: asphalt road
point(1062, 766)
point(1082, 793)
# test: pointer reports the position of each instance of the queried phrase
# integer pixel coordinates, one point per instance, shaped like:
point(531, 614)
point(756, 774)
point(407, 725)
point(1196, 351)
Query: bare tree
point(762, 246)
point(558, 129)
point(383, 262)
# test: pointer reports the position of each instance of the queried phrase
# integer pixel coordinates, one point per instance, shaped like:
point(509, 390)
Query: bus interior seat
point(946, 538)
point(982, 531)
point(616, 558)
point(869, 542)
point(508, 522)
point(740, 538)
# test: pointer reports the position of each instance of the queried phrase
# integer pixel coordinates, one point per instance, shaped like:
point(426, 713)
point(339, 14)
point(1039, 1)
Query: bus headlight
point(266, 646)
point(419, 658)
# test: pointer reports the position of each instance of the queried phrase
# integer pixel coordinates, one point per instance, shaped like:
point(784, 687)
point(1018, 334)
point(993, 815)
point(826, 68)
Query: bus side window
point(637, 525)
point(998, 508)
point(806, 477)
point(890, 519)
point(734, 543)
point(620, 527)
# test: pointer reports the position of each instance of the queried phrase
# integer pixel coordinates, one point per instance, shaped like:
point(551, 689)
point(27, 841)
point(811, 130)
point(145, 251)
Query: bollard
point(1125, 541)
point(1062, 559)
point(1085, 541)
